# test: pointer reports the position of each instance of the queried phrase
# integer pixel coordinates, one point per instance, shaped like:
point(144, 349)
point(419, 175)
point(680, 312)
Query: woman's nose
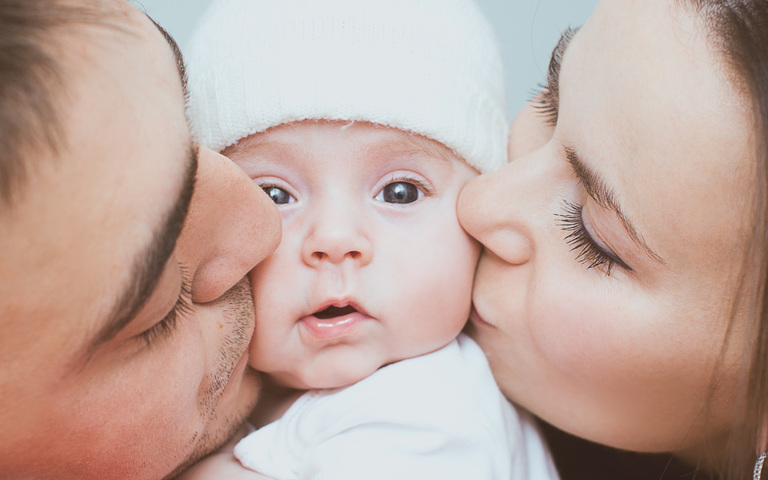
point(232, 225)
point(504, 210)
point(510, 211)
point(337, 234)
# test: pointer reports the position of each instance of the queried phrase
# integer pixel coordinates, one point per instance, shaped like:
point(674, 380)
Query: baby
point(362, 120)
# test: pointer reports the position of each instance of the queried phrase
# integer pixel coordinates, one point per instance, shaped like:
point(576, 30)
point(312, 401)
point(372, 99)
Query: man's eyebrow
point(604, 196)
point(150, 262)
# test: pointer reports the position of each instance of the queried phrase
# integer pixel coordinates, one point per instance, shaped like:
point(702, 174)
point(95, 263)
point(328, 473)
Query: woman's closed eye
point(589, 252)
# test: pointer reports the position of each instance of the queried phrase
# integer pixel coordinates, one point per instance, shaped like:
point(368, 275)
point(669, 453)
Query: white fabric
point(430, 67)
point(439, 416)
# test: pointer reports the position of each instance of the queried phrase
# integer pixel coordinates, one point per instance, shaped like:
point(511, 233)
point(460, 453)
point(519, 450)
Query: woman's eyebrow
point(604, 196)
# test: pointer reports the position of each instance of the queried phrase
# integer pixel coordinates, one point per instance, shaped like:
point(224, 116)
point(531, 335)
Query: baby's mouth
point(339, 320)
point(333, 312)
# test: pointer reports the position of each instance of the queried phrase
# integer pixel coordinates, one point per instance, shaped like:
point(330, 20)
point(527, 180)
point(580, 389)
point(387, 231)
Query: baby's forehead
point(375, 136)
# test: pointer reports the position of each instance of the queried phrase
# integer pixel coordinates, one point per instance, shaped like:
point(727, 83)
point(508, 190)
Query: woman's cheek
point(578, 332)
point(601, 333)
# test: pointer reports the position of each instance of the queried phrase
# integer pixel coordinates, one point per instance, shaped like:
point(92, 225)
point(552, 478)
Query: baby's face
point(373, 266)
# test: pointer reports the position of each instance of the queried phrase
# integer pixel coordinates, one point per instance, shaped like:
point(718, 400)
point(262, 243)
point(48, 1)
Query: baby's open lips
point(333, 312)
point(333, 321)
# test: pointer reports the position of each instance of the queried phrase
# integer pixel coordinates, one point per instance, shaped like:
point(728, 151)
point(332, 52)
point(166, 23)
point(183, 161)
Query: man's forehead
point(176, 53)
point(120, 189)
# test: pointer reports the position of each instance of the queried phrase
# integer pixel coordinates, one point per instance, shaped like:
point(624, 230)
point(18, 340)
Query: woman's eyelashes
point(547, 100)
point(545, 103)
point(589, 252)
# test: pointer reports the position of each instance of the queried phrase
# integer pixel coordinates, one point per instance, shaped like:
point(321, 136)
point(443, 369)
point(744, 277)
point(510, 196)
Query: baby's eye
point(399, 192)
point(278, 195)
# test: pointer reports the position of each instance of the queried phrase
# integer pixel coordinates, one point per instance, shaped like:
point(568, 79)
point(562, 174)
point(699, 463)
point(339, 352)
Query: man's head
point(123, 247)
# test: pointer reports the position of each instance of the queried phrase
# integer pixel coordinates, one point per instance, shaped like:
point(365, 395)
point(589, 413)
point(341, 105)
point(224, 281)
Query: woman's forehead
point(650, 105)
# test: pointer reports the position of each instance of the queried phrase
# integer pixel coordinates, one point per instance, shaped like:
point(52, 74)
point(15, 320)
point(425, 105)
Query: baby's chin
point(333, 380)
point(330, 377)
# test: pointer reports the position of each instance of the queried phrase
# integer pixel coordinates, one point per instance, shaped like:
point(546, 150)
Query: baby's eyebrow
point(411, 144)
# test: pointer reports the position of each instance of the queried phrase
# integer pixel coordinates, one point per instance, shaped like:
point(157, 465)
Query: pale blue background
point(527, 30)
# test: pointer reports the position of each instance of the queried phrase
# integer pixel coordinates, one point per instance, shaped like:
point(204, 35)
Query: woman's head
point(619, 241)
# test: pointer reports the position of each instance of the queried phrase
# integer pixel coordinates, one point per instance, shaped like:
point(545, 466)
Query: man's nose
point(232, 226)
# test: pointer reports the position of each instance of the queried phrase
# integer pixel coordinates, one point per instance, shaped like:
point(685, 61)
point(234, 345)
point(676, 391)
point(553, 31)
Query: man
point(124, 311)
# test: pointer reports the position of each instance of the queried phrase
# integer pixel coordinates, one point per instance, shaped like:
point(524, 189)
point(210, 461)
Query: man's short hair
point(31, 83)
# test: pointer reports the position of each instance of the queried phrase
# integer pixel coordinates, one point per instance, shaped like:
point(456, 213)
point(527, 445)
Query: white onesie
point(437, 416)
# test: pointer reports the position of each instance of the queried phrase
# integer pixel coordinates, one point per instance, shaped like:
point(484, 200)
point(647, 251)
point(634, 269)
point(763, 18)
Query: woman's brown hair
point(739, 30)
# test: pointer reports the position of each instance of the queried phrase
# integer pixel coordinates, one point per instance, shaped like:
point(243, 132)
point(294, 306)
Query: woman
point(620, 295)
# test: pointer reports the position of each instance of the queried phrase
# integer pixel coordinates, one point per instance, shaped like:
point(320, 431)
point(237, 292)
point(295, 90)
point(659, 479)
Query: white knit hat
point(430, 67)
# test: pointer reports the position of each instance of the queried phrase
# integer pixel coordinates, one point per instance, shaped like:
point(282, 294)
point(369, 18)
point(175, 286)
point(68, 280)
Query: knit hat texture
point(430, 67)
